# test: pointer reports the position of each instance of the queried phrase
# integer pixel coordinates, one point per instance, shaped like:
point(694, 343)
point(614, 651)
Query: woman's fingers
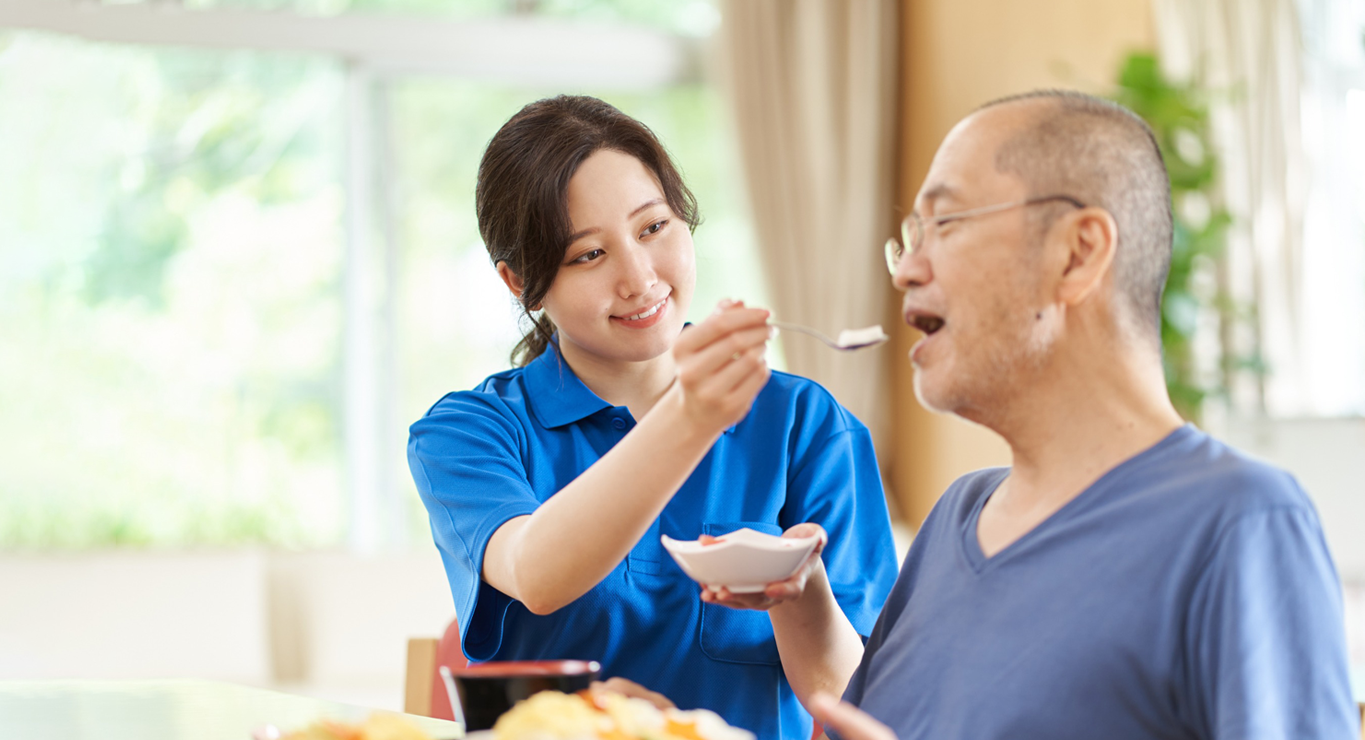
point(731, 379)
point(710, 358)
point(808, 529)
point(721, 364)
point(718, 326)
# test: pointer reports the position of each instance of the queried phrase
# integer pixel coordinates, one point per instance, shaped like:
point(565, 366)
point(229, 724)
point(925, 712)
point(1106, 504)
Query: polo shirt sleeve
point(467, 461)
point(1266, 637)
point(834, 481)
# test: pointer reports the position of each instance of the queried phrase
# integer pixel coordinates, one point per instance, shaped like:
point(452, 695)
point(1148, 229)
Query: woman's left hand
point(779, 591)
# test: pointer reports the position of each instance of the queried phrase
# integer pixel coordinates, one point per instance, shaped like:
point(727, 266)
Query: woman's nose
point(637, 272)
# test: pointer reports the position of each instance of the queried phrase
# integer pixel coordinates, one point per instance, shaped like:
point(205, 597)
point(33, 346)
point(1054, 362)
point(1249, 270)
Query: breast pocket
point(647, 557)
point(738, 635)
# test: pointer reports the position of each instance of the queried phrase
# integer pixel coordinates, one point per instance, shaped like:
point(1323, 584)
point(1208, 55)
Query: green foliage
point(169, 290)
point(1179, 116)
point(170, 268)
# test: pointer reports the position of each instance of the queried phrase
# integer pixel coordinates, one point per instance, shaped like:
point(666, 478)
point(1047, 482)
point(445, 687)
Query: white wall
point(332, 625)
point(132, 615)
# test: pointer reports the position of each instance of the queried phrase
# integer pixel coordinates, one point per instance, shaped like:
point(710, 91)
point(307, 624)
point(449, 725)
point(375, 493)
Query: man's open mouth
point(926, 323)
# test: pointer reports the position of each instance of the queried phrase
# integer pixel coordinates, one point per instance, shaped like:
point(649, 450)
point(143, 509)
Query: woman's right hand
point(722, 365)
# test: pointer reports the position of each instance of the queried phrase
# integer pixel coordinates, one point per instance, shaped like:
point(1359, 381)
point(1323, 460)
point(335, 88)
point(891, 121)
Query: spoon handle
point(804, 330)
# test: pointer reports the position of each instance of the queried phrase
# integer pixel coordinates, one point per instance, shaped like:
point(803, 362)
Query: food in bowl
point(743, 561)
point(552, 715)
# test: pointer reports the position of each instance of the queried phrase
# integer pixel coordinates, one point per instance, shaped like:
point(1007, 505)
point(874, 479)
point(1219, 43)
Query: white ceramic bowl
point(744, 561)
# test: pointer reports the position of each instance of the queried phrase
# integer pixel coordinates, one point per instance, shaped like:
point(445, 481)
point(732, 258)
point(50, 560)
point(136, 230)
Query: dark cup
point(487, 690)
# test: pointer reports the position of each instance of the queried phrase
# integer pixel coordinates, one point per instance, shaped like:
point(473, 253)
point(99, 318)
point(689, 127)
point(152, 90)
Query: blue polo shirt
point(484, 456)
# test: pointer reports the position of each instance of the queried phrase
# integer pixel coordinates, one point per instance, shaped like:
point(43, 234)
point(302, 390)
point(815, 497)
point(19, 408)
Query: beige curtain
point(813, 85)
point(1248, 53)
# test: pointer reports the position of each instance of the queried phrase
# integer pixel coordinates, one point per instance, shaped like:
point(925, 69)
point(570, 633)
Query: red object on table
point(448, 653)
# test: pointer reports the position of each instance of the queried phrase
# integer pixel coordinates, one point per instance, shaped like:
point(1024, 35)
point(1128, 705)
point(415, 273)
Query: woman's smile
point(646, 318)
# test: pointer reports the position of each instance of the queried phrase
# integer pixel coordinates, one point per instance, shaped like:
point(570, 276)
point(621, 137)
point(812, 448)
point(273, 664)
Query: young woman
point(549, 484)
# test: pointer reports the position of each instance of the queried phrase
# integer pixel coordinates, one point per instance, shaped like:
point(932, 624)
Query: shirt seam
point(806, 459)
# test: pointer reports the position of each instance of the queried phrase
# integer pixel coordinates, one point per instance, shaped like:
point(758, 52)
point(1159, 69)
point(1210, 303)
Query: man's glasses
point(913, 227)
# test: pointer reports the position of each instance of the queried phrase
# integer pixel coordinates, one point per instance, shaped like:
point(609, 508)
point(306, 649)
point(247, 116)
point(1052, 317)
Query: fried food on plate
point(551, 715)
point(376, 727)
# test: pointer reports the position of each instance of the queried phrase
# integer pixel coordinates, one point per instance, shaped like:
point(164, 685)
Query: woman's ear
point(1090, 235)
point(510, 279)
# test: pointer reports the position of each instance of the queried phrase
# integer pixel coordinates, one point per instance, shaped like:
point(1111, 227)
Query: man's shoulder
point(1202, 471)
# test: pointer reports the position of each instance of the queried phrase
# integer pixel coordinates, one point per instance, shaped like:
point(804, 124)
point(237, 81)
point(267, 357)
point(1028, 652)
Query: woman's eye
point(586, 257)
point(655, 227)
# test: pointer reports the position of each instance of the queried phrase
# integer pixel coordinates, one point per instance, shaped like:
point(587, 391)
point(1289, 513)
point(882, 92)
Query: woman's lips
point(659, 309)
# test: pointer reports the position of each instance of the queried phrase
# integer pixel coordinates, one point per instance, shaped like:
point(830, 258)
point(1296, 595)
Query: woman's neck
point(634, 385)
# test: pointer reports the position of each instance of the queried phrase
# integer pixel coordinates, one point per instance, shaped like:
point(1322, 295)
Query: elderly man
point(1128, 576)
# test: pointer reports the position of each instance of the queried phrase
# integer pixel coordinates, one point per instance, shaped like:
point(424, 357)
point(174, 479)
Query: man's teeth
point(646, 314)
point(928, 324)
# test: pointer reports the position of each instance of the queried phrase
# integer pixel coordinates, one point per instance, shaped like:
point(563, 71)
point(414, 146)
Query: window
point(230, 278)
point(1333, 302)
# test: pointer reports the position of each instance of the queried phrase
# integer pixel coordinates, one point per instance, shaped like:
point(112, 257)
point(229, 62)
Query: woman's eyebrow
point(646, 204)
point(632, 214)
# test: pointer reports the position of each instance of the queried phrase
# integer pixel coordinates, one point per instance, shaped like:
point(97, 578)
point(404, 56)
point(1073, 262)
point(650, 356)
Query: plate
point(743, 561)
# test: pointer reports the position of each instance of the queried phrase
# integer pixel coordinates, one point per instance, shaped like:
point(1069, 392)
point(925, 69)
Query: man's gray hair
point(1104, 155)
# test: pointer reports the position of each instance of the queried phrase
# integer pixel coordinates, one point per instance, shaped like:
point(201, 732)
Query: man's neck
point(1081, 416)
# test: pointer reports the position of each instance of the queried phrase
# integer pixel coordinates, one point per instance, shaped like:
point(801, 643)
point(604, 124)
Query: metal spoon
point(849, 339)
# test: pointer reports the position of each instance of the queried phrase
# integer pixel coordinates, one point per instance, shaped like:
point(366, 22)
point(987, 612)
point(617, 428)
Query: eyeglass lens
point(911, 235)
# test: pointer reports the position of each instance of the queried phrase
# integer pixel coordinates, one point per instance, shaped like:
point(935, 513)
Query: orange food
point(587, 715)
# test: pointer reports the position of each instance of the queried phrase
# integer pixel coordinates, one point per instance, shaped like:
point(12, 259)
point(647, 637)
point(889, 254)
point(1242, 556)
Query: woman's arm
point(819, 647)
point(551, 557)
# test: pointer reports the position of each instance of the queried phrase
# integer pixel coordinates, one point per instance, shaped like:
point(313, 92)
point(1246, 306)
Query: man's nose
point(912, 270)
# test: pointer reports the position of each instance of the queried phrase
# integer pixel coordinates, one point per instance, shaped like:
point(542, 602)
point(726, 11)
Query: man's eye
point(586, 257)
point(655, 227)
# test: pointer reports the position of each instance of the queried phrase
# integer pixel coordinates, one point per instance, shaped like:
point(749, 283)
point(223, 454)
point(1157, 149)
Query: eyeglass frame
point(895, 248)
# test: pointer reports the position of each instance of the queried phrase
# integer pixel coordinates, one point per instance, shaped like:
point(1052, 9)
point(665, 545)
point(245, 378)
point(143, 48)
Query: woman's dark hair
point(522, 194)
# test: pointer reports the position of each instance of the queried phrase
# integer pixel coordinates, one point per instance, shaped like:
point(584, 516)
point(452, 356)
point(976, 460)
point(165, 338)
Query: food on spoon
point(551, 715)
point(859, 337)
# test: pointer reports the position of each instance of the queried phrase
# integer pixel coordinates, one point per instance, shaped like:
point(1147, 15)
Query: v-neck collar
point(971, 543)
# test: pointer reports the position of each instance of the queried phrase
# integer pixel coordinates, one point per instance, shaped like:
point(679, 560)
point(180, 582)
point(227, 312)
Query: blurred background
point(238, 256)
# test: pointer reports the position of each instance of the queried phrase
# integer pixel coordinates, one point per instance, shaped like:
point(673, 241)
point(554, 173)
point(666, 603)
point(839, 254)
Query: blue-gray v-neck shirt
point(1188, 593)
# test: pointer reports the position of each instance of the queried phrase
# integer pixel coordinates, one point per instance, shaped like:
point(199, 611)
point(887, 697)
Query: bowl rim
point(519, 668)
point(691, 547)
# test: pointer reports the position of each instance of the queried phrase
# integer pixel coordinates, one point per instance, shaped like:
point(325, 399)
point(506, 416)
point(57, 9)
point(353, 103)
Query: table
point(167, 710)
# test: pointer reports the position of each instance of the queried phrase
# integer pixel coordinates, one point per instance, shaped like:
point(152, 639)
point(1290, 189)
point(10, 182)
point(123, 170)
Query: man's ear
point(1091, 236)
point(510, 279)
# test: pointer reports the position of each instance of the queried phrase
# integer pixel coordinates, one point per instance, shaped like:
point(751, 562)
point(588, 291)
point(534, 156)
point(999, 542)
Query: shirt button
point(619, 423)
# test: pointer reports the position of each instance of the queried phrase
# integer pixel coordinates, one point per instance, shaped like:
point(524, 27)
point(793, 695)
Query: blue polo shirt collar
point(558, 397)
